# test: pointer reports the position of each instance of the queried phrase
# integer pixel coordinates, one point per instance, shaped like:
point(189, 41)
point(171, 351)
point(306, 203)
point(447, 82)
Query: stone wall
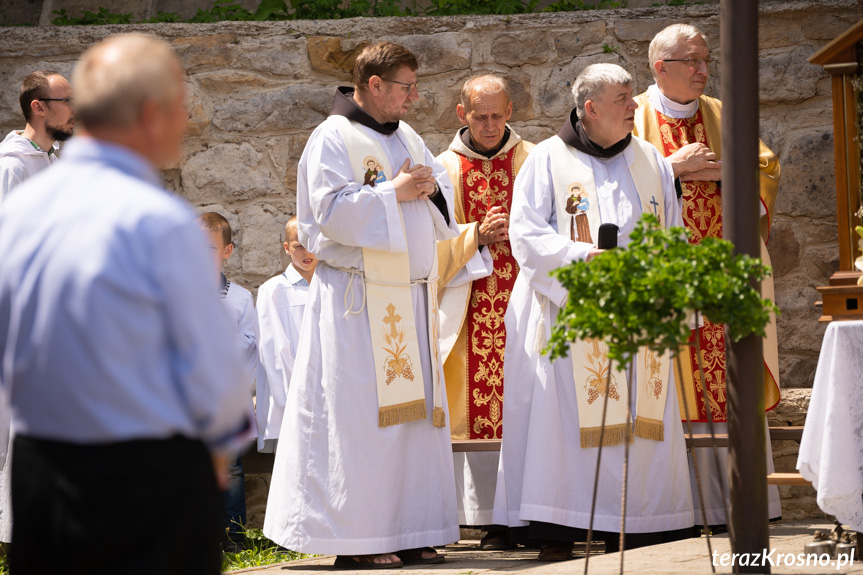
point(258, 89)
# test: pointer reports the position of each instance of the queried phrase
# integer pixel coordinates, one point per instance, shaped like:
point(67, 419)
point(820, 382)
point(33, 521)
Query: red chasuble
point(702, 214)
point(487, 183)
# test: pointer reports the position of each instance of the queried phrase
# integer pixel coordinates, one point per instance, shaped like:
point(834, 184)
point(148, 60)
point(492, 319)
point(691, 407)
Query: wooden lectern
point(843, 60)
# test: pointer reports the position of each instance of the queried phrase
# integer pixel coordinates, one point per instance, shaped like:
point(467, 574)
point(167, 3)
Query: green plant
point(101, 16)
point(163, 16)
point(608, 49)
point(642, 295)
point(573, 5)
point(257, 551)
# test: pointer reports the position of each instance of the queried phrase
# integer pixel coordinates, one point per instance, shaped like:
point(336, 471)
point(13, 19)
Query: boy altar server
point(364, 466)
point(592, 172)
point(241, 310)
point(281, 306)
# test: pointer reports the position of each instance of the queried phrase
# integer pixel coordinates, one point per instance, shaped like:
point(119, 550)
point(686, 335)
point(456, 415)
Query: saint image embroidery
point(597, 358)
point(577, 204)
point(398, 363)
point(374, 173)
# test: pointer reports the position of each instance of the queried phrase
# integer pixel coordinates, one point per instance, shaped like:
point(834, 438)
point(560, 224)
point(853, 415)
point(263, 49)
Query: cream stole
point(574, 188)
point(398, 367)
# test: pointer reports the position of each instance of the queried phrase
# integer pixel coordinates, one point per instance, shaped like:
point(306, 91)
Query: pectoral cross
point(392, 318)
point(655, 205)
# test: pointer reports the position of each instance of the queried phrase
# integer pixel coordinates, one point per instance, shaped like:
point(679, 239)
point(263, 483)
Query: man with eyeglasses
point(364, 465)
point(685, 126)
point(46, 100)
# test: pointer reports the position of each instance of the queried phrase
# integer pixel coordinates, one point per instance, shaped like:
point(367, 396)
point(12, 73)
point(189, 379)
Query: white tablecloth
point(831, 452)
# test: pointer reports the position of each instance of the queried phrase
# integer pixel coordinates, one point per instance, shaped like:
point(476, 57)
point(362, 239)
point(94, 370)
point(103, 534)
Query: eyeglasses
point(64, 100)
point(693, 62)
point(410, 86)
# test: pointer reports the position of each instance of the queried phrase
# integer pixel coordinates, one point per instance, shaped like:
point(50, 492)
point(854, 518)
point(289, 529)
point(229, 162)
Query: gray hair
point(487, 84)
point(114, 78)
point(666, 41)
point(593, 80)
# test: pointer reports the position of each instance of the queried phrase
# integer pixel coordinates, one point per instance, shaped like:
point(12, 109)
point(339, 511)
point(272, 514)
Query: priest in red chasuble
point(685, 126)
point(482, 162)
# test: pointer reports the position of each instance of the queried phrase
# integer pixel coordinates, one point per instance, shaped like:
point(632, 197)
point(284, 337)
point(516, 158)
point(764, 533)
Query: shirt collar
point(572, 133)
point(293, 276)
point(668, 107)
point(88, 149)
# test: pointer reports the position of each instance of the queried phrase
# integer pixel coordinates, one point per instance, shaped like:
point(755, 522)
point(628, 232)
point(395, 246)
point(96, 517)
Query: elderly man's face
point(613, 114)
point(486, 119)
point(170, 125)
point(397, 94)
point(683, 82)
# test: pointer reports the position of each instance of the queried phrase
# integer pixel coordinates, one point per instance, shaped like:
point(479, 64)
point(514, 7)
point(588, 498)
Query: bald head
point(487, 85)
point(114, 78)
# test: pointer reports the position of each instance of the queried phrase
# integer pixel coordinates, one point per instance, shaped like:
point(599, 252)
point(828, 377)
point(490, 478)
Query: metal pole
point(740, 215)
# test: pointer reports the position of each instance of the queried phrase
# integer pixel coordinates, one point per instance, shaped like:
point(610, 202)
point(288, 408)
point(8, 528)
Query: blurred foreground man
point(593, 172)
point(364, 465)
point(685, 126)
point(122, 383)
point(482, 162)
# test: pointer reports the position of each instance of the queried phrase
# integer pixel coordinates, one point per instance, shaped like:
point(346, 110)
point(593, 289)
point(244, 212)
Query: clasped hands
point(695, 162)
point(414, 183)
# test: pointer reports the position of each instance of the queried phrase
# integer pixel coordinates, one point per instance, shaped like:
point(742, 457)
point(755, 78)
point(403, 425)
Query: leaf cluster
point(268, 10)
point(646, 293)
point(258, 551)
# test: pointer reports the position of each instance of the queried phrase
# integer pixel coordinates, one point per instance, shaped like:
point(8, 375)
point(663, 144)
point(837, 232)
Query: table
point(831, 450)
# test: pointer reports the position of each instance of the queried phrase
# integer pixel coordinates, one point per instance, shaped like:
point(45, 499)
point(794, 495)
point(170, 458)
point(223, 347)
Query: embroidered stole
point(576, 196)
point(398, 366)
point(487, 183)
point(702, 214)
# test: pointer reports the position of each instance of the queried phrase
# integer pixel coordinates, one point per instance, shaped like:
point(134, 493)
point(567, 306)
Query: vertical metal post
point(740, 217)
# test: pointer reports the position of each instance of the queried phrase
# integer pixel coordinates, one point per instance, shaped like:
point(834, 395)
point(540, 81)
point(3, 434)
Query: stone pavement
point(682, 557)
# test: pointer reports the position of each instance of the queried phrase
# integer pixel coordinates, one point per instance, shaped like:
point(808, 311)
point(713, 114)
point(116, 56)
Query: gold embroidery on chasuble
point(702, 215)
point(487, 183)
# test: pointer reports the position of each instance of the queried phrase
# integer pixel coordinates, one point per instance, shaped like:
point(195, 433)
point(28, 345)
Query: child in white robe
point(241, 309)
point(281, 306)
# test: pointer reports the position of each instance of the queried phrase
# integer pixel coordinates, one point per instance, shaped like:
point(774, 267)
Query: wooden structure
point(841, 58)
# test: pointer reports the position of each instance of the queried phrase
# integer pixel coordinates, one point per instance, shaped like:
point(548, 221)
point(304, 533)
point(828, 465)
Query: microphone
point(607, 236)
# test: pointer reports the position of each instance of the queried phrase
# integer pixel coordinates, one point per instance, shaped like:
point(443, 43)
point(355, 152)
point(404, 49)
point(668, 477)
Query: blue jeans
point(235, 497)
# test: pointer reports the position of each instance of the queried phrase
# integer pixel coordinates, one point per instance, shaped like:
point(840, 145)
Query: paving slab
point(688, 557)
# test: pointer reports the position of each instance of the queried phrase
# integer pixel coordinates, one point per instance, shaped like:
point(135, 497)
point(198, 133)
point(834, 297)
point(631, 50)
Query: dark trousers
point(538, 532)
point(148, 506)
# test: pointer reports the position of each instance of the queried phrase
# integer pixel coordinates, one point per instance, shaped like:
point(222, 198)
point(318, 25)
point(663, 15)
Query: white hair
point(115, 77)
point(593, 80)
point(666, 41)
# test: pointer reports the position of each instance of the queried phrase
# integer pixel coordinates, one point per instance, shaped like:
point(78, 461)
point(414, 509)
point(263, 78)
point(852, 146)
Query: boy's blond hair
point(215, 222)
point(291, 226)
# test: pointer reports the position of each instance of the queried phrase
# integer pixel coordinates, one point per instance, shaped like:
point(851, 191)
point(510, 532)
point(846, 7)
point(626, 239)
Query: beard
point(59, 133)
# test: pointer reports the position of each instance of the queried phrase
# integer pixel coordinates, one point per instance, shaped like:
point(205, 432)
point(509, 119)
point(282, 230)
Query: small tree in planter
point(646, 294)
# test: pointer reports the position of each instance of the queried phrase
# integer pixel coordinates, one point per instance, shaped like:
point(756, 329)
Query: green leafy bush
point(644, 294)
point(228, 10)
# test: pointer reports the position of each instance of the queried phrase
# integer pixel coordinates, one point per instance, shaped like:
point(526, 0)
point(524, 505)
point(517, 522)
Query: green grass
point(258, 551)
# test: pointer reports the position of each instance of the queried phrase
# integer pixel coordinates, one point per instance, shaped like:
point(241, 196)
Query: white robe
point(342, 485)
point(544, 474)
point(281, 306)
point(241, 310)
point(714, 503)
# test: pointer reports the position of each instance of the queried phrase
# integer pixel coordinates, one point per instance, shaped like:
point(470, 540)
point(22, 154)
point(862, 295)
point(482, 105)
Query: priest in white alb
point(682, 123)
point(594, 171)
point(364, 465)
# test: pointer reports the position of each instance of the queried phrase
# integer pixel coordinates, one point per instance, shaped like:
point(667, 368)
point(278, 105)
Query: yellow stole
point(574, 188)
point(392, 325)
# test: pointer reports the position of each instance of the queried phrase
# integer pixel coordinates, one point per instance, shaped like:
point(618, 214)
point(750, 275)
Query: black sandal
point(415, 556)
point(364, 562)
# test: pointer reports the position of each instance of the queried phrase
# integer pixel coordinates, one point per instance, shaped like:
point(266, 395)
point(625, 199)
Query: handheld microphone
point(607, 236)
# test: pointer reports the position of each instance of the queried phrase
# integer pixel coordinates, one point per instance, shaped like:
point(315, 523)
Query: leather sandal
point(364, 562)
point(415, 556)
